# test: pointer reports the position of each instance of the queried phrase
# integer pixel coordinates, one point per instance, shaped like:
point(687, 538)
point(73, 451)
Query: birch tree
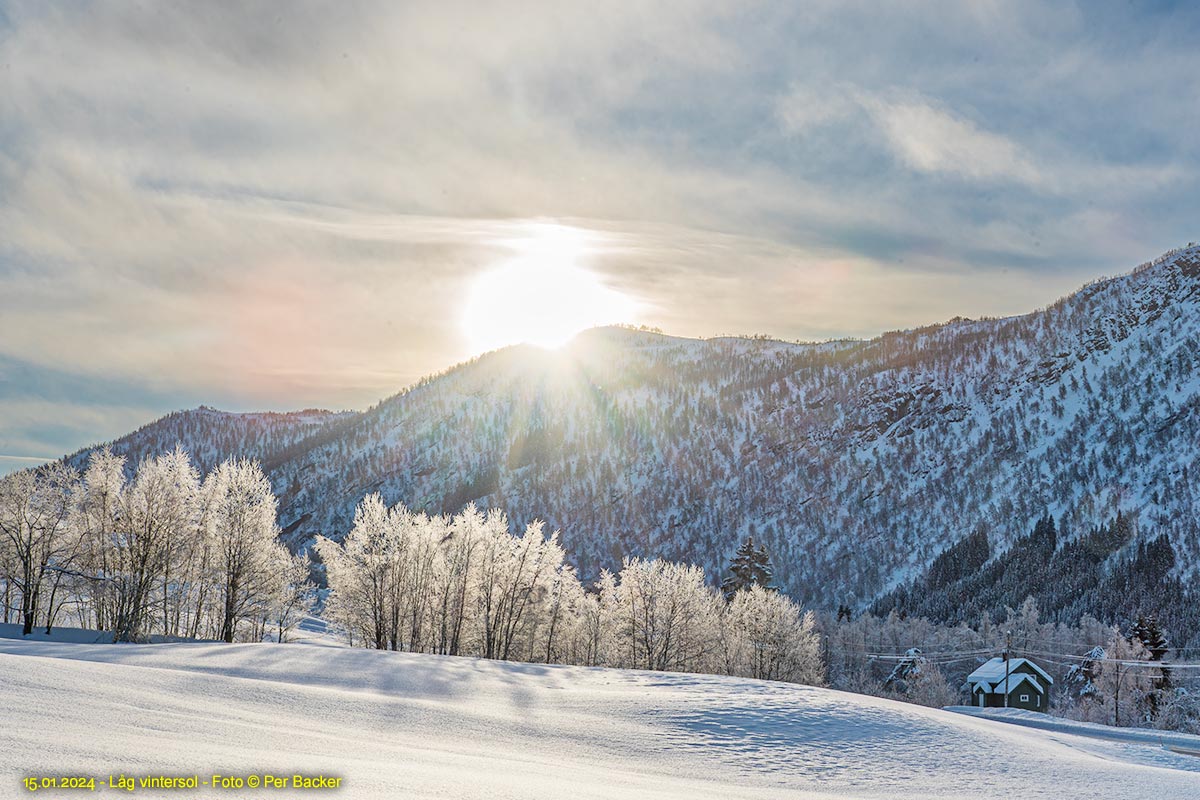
point(153, 522)
point(666, 616)
point(245, 541)
point(771, 638)
point(35, 512)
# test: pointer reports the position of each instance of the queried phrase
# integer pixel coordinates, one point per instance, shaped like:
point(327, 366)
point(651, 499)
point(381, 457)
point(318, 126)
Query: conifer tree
point(1152, 637)
point(750, 566)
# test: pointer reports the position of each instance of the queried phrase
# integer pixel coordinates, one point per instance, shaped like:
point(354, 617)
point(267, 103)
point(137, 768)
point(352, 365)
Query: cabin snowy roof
point(992, 672)
point(1014, 680)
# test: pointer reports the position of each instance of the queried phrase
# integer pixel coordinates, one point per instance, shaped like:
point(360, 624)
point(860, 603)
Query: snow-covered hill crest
point(401, 724)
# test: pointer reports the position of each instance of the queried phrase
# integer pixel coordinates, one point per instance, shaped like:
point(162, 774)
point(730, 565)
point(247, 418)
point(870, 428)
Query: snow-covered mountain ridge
point(855, 462)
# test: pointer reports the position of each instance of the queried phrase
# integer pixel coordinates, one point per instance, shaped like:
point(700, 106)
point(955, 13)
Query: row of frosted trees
point(161, 551)
point(467, 585)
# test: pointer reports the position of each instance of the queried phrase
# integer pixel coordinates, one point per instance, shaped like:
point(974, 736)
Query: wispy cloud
point(24, 459)
point(930, 139)
point(257, 207)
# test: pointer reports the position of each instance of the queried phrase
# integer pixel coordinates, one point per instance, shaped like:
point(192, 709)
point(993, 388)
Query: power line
point(1062, 659)
point(926, 656)
point(1136, 662)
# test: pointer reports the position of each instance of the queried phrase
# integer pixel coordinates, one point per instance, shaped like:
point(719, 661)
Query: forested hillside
point(1110, 573)
point(855, 462)
point(210, 436)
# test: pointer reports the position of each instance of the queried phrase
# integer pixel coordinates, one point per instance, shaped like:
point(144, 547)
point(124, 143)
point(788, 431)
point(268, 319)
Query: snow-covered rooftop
point(992, 672)
point(1014, 680)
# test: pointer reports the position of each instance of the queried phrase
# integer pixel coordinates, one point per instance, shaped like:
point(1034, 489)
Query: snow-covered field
point(412, 726)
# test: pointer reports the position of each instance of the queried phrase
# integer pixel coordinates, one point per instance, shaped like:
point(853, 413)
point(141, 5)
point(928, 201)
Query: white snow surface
point(416, 726)
point(1034, 719)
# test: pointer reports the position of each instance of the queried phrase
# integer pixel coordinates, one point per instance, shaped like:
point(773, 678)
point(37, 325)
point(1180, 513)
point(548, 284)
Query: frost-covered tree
point(468, 584)
point(154, 522)
point(246, 548)
point(155, 552)
point(385, 575)
point(771, 638)
point(514, 574)
point(1179, 710)
point(458, 587)
point(665, 616)
point(598, 621)
point(361, 573)
point(462, 584)
point(98, 513)
point(36, 538)
point(561, 609)
point(295, 595)
point(1122, 683)
point(928, 687)
point(8, 588)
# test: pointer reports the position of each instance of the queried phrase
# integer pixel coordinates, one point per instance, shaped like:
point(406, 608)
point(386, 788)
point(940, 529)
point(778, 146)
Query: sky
point(281, 206)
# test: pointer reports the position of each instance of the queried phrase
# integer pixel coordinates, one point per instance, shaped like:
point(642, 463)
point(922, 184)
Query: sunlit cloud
point(251, 209)
point(933, 140)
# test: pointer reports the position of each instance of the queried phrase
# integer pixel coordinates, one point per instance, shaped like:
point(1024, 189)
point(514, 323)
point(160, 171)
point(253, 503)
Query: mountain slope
point(855, 462)
point(211, 436)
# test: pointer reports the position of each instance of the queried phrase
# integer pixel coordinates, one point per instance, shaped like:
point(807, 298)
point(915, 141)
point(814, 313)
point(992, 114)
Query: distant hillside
point(856, 463)
point(211, 436)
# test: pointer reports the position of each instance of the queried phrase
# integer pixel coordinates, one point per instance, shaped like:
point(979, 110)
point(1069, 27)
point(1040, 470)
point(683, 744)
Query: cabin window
point(1024, 698)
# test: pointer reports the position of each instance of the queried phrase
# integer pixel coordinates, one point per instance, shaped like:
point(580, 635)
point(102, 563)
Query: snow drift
point(395, 724)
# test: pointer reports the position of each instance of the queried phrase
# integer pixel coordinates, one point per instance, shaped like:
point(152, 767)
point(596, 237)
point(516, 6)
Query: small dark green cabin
point(1027, 686)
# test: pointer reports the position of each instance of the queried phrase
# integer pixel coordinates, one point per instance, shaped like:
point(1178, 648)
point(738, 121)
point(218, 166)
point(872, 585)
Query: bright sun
point(541, 296)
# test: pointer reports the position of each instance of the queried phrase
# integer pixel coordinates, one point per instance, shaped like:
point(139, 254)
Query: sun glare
point(541, 296)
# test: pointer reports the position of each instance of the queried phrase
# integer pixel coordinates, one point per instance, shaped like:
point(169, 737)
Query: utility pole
point(1007, 647)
